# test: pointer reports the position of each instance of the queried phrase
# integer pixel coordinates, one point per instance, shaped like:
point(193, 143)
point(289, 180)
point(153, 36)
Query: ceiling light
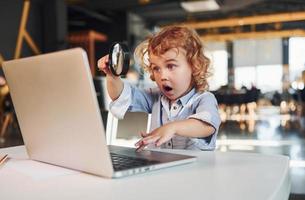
point(199, 6)
point(144, 2)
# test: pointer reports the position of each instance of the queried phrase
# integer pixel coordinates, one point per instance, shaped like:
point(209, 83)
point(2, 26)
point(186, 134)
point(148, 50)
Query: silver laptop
point(59, 117)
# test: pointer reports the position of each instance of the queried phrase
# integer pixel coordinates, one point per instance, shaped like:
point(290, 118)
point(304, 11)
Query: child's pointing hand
point(157, 136)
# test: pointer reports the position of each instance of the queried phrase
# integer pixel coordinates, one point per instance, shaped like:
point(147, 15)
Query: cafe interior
point(256, 48)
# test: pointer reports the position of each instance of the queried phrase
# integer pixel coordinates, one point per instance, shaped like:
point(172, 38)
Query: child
point(184, 114)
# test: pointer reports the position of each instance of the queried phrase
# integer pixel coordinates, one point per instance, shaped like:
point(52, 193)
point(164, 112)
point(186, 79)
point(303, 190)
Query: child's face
point(172, 73)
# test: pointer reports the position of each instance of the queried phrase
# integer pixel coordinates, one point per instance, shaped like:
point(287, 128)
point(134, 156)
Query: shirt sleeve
point(132, 99)
point(207, 110)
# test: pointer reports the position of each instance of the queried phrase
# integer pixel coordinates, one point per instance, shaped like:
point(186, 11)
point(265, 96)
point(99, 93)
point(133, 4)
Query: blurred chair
point(6, 111)
point(86, 40)
point(102, 96)
point(125, 131)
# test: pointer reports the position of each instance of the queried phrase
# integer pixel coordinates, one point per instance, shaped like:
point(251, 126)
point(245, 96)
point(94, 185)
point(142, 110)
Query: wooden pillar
point(231, 75)
point(285, 77)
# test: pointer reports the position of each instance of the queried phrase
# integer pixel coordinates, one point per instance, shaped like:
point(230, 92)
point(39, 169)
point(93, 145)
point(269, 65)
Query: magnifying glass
point(119, 57)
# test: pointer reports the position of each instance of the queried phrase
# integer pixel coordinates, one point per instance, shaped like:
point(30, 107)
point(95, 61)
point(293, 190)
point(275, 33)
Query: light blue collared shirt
point(201, 106)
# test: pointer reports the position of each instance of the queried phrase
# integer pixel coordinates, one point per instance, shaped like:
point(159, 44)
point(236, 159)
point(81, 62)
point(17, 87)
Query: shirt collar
point(182, 100)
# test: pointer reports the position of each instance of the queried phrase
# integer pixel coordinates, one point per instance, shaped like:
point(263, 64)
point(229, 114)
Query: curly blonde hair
point(174, 37)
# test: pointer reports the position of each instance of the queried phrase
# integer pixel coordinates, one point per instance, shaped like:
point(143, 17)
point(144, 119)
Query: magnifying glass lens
point(119, 62)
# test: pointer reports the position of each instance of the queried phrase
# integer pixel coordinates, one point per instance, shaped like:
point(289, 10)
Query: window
point(218, 55)
point(258, 62)
point(265, 77)
point(269, 77)
point(296, 57)
point(244, 76)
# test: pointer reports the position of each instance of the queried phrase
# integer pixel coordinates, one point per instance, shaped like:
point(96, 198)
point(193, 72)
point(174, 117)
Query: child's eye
point(156, 69)
point(171, 66)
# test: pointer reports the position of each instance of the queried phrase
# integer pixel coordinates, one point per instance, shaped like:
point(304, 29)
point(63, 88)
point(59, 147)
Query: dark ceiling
point(164, 12)
point(161, 12)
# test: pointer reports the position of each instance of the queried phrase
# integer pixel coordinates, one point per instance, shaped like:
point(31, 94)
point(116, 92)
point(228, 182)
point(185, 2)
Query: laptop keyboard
point(122, 162)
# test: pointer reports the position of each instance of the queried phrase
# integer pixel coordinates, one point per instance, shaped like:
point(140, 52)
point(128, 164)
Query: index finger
point(143, 134)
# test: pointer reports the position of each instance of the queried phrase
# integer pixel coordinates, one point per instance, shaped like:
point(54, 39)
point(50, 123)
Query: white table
point(215, 175)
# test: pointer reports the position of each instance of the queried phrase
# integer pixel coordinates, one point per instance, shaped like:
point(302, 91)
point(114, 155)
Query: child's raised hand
point(157, 136)
point(103, 63)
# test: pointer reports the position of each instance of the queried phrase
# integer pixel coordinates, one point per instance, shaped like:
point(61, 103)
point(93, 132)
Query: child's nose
point(164, 75)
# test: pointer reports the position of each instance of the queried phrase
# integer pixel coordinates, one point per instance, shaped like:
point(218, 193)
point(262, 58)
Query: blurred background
point(257, 49)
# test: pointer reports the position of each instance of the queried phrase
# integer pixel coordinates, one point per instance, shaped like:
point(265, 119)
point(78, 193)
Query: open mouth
point(167, 88)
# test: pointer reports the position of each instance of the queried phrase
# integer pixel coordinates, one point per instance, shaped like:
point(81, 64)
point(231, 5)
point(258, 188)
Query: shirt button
point(175, 107)
point(169, 144)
